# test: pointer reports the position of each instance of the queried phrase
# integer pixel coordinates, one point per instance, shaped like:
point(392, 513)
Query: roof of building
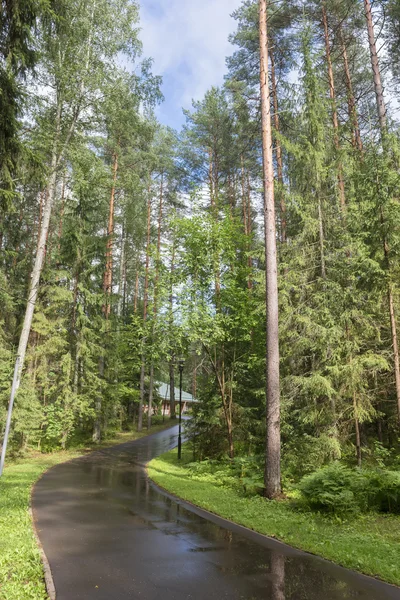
point(163, 391)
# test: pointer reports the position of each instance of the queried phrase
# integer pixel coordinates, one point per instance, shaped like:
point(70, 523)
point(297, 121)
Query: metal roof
point(163, 391)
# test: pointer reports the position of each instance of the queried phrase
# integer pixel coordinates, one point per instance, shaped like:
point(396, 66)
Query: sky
point(188, 40)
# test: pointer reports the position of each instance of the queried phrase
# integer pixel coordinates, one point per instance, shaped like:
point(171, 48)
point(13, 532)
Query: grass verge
point(21, 571)
point(369, 544)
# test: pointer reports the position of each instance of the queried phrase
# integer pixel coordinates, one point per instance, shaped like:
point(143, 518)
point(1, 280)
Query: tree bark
point(160, 214)
point(395, 347)
point(321, 239)
point(357, 430)
point(122, 276)
point(145, 303)
point(278, 148)
point(108, 273)
point(171, 333)
point(351, 102)
point(380, 101)
point(60, 225)
point(272, 475)
point(107, 289)
point(135, 299)
point(332, 95)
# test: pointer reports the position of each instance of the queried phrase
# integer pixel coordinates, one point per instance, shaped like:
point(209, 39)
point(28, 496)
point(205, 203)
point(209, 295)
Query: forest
point(260, 243)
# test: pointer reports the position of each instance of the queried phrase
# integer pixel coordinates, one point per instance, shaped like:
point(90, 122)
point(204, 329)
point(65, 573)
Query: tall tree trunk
point(145, 304)
point(122, 276)
point(395, 347)
point(160, 212)
point(249, 232)
point(60, 224)
point(246, 207)
point(107, 289)
point(321, 239)
point(357, 430)
point(151, 392)
point(171, 334)
point(351, 102)
point(42, 200)
point(272, 475)
point(108, 273)
point(135, 298)
point(332, 95)
point(380, 101)
point(278, 148)
point(194, 374)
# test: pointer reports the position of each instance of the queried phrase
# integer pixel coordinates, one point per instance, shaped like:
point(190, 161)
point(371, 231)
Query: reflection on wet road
point(110, 535)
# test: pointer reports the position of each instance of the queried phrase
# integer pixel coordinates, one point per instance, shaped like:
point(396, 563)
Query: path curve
point(109, 534)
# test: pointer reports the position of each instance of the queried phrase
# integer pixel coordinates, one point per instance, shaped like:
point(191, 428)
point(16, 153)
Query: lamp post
point(181, 364)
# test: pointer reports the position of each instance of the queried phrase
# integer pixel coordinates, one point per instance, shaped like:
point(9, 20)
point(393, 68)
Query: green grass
point(370, 543)
point(21, 572)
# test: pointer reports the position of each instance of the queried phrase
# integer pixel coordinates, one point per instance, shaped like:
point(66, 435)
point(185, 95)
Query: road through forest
point(109, 534)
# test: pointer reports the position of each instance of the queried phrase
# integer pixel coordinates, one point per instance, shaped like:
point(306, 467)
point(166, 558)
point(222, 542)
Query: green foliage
point(331, 489)
point(382, 490)
point(339, 489)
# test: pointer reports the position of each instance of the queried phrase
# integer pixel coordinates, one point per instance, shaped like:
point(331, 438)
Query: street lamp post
point(181, 364)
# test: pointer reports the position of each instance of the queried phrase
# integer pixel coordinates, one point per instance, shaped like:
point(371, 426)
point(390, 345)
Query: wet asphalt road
point(109, 534)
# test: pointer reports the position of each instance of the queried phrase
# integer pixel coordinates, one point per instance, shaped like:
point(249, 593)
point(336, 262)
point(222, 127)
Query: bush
point(382, 491)
point(338, 489)
point(331, 489)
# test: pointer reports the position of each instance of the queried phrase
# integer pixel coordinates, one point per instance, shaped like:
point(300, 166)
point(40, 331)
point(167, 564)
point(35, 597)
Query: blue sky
point(188, 40)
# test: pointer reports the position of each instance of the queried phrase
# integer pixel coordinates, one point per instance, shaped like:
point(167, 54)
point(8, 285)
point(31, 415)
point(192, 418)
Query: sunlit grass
point(370, 543)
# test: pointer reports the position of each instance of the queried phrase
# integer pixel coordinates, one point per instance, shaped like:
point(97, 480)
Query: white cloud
point(188, 40)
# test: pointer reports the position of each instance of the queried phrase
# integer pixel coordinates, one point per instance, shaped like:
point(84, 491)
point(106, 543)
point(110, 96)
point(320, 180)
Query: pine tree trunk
point(278, 149)
point(60, 225)
point(357, 429)
point(145, 303)
point(244, 199)
point(171, 333)
point(321, 239)
point(160, 214)
point(395, 348)
point(249, 231)
point(172, 409)
point(108, 273)
point(380, 101)
point(332, 95)
point(272, 475)
point(247, 221)
point(107, 289)
point(122, 277)
point(135, 299)
point(351, 102)
point(151, 388)
point(194, 374)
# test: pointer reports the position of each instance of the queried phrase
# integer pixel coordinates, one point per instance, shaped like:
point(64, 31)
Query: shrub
point(331, 489)
point(338, 489)
point(381, 490)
